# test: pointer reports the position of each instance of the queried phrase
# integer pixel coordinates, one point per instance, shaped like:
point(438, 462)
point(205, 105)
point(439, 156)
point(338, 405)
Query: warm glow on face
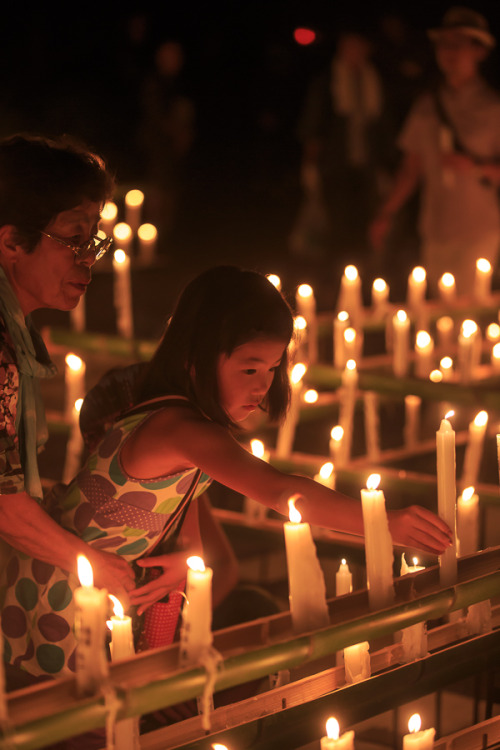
point(481, 419)
point(257, 448)
point(298, 372)
point(119, 256)
point(467, 494)
point(419, 274)
point(332, 729)
point(337, 433)
point(134, 198)
point(423, 339)
point(349, 335)
point(117, 606)
point(195, 563)
point(305, 291)
point(351, 273)
point(373, 481)
point(449, 414)
point(436, 376)
point(275, 280)
point(293, 513)
point(147, 232)
point(122, 231)
point(414, 723)
point(299, 323)
point(85, 574)
point(446, 363)
point(379, 285)
point(401, 316)
point(343, 316)
point(448, 280)
point(483, 265)
point(74, 362)
point(469, 328)
point(311, 396)
point(350, 364)
point(326, 470)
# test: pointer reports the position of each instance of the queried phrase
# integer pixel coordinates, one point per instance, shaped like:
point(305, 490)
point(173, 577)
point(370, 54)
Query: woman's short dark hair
point(221, 309)
point(41, 177)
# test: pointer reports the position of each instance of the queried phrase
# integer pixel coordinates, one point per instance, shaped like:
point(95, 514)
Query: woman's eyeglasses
point(97, 245)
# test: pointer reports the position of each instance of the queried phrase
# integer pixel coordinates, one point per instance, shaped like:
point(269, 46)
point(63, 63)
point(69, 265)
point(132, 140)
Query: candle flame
point(468, 493)
point(109, 211)
point(373, 481)
point(351, 273)
point(419, 274)
point(122, 231)
point(350, 364)
point(343, 316)
point(218, 746)
point(343, 561)
point(379, 285)
point(493, 332)
point(436, 376)
point(117, 606)
point(448, 280)
point(147, 232)
point(483, 265)
point(120, 256)
point(305, 291)
point(449, 414)
point(423, 339)
point(257, 448)
point(481, 419)
point(196, 563)
point(298, 372)
point(446, 363)
point(401, 316)
point(332, 728)
point(299, 323)
point(337, 433)
point(311, 396)
point(414, 723)
point(469, 328)
point(496, 351)
point(134, 198)
point(326, 470)
point(415, 561)
point(349, 335)
point(293, 514)
point(73, 361)
point(85, 573)
point(275, 280)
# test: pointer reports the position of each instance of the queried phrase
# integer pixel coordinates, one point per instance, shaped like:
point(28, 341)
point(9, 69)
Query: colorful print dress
point(109, 510)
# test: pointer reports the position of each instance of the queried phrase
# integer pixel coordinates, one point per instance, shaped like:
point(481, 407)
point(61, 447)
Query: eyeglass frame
point(86, 247)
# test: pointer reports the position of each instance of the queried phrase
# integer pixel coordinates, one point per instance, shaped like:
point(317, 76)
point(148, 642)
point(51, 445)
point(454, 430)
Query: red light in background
point(304, 36)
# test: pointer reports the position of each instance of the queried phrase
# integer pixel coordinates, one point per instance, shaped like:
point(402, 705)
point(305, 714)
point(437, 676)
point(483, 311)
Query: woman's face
point(51, 276)
point(245, 376)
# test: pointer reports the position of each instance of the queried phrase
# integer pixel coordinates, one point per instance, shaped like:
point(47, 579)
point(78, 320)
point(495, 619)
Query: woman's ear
point(9, 243)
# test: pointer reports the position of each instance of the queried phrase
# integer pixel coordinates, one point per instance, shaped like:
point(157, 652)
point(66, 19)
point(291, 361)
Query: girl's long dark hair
point(224, 307)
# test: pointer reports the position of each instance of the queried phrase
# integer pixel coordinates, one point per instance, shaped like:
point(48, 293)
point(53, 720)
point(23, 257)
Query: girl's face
point(245, 376)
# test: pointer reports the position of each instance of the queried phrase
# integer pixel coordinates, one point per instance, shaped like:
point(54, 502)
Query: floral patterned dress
point(109, 510)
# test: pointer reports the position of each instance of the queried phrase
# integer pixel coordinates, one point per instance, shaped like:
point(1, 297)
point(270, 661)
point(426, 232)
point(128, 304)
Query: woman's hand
point(418, 527)
point(171, 577)
point(113, 573)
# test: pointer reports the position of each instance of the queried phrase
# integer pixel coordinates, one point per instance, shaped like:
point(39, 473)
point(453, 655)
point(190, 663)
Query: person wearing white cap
point(451, 150)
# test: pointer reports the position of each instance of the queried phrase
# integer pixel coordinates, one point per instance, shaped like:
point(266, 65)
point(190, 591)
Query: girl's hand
point(170, 578)
point(419, 528)
point(113, 573)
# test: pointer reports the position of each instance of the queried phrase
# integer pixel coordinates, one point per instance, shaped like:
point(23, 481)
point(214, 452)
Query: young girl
point(223, 355)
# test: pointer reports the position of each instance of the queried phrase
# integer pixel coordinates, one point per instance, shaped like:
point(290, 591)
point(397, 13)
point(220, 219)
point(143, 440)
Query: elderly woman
point(51, 195)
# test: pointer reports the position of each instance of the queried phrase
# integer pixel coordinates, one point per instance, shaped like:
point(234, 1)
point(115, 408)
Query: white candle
point(77, 315)
point(350, 297)
point(196, 629)
point(467, 350)
point(122, 642)
point(446, 367)
point(445, 330)
point(378, 545)
point(122, 294)
point(493, 332)
point(468, 522)
point(417, 288)
point(254, 510)
point(74, 381)
point(447, 288)
point(352, 343)
point(286, 431)
point(307, 591)
point(108, 218)
point(335, 445)
point(401, 343)
point(147, 235)
point(482, 280)
point(134, 200)
point(414, 637)
point(74, 446)
point(357, 662)
point(372, 433)
point(333, 741)
point(343, 579)
point(347, 397)
point(447, 495)
point(91, 606)
point(306, 306)
point(326, 475)
point(474, 449)
point(495, 357)
point(424, 354)
point(122, 234)
point(412, 420)
point(380, 297)
point(418, 740)
point(340, 323)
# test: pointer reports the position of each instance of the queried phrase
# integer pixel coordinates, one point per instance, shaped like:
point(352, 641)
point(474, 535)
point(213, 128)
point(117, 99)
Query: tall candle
point(357, 662)
point(307, 591)
point(416, 739)
point(196, 629)
point(414, 637)
point(446, 367)
point(412, 420)
point(372, 432)
point(424, 354)
point(134, 201)
point(147, 235)
point(380, 297)
point(350, 297)
point(352, 343)
point(482, 280)
point(467, 350)
point(343, 579)
point(107, 220)
point(74, 381)
point(335, 445)
point(306, 306)
point(447, 494)
point(122, 294)
point(254, 510)
point(122, 234)
point(340, 323)
point(445, 330)
point(286, 431)
point(74, 445)
point(447, 288)
point(401, 343)
point(333, 739)
point(347, 396)
point(417, 288)
point(468, 522)
point(91, 606)
point(378, 545)
point(474, 450)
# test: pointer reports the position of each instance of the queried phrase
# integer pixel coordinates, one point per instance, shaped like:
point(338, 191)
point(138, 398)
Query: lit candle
point(347, 397)
point(418, 740)
point(91, 606)
point(74, 381)
point(254, 510)
point(493, 333)
point(335, 445)
point(134, 200)
point(122, 234)
point(311, 396)
point(122, 294)
point(401, 343)
point(340, 323)
point(468, 522)
point(333, 741)
point(357, 662)
point(74, 445)
point(467, 350)
point(447, 496)
point(147, 235)
point(412, 420)
point(447, 288)
point(474, 449)
point(445, 330)
point(352, 348)
point(414, 637)
point(370, 402)
point(380, 297)
point(286, 431)
point(350, 298)
point(77, 315)
point(482, 280)
point(417, 288)
point(108, 218)
point(126, 732)
point(495, 357)
point(196, 629)
point(424, 353)
point(274, 279)
point(343, 579)
point(436, 376)
point(326, 475)
point(299, 348)
point(378, 545)
point(306, 306)
point(446, 367)
point(307, 591)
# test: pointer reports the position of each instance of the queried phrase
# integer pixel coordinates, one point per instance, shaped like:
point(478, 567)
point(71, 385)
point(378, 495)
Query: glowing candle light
point(447, 495)
point(445, 330)
point(134, 201)
point(298, 348)
point(254, 510)
point(482, 280)
point(335, 445)
point(401, 343)
point(348, 393)
point(74, 380)
point(307, 591)
point(333, 740)
point(275, 280)
point(218, 746)
point(306, 306)
point(380, 296)
point(350, 343)
point(412, 420)
point(378, 545)
point(122, 294)
point(447, 288)
point(350, 297)
point(343, 579)
point(414, 637)
point(74, 446)
point(109, 214)
point(122, 234)
point(417, 739)
point(435, 376)
point(357, 662)
point(311, 396)
point(446, 367)
point(370, 402)
point(495, 357)
point(468, 522)
point(474, 449)
point(493, 332)
point(417, 288)
point(424, 353)
point(147, 235)
point(469, 343)
point(196, 629)
point(286, 431)
point(340, 323)
point(91, 605)
point(326, 475)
